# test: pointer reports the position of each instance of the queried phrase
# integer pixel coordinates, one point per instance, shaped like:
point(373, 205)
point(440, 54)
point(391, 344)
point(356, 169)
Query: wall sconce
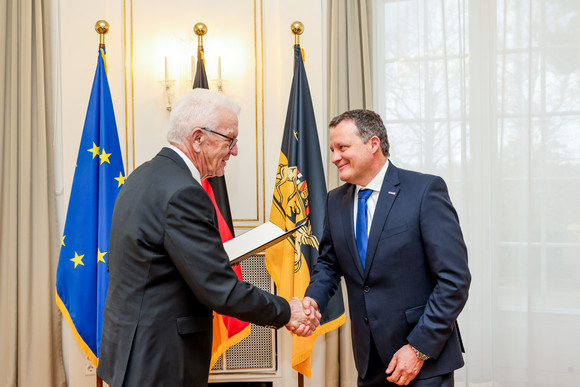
point(219, 83)
point(184, 76)
point(184, 83)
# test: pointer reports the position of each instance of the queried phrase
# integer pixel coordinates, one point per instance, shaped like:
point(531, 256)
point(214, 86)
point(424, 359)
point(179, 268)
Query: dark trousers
point(376, 376)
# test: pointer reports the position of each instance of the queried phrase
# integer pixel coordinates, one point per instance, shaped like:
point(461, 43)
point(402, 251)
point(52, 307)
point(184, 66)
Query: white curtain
point(486, 94)
point(30, 330)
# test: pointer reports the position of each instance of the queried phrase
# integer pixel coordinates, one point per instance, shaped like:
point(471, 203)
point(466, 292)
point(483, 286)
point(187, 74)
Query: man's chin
point(343, 177)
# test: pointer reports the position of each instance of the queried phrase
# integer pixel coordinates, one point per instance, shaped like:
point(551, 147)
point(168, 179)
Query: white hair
point(197, 108)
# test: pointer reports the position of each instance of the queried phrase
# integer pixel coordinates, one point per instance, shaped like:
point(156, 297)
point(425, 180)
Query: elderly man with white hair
point(167, 266)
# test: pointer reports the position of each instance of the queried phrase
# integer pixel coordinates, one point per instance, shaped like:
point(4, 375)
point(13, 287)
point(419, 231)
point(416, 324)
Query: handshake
point(305, 316)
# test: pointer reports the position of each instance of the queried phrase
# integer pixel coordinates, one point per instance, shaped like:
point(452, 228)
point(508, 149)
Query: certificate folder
point(255, 240)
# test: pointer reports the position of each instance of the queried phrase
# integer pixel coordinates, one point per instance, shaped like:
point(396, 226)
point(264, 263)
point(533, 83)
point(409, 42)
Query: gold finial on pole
point(200, 30)
point(297, 29)
point(102, 28)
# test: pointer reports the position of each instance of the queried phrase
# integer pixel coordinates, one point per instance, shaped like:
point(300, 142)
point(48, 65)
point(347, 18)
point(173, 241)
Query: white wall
point(254, 41)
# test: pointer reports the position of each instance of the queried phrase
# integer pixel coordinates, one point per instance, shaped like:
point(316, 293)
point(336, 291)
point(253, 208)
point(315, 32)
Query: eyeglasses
point(233, 141)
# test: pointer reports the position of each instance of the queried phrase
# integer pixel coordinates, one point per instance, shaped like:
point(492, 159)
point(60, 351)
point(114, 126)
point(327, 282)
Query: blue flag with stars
point(82, 278)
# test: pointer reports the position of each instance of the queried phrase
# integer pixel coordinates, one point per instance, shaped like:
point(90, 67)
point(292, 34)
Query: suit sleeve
point(193, 242)
point(446, 255)
point(326, 275)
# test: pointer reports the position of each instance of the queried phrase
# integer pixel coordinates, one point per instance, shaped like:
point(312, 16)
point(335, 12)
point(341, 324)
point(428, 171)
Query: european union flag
point(82, 278)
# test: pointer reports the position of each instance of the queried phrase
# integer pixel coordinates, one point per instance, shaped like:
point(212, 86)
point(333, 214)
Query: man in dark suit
point(167, 266)
point(407, 289)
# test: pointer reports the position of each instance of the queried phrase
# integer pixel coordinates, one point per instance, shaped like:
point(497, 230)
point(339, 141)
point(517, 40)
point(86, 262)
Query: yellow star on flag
point(120, 179)
point(104, 157)
point(101, 256)
point(94, 150)
point(78, 259)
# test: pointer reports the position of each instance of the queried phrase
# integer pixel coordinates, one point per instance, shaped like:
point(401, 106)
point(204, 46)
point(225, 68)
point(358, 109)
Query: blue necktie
point(362, 238)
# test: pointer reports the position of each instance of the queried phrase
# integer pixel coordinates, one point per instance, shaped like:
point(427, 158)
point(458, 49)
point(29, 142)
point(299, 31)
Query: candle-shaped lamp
point(167, 85)
point(192, 69)
point(166, 71)
point(219, 74)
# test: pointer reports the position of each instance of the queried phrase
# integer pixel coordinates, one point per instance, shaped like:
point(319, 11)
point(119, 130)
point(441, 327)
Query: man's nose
point(335, 156)
point(234, 150)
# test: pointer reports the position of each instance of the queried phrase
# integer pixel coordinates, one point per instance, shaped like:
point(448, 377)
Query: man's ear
point(195, 138)
point(375, 144)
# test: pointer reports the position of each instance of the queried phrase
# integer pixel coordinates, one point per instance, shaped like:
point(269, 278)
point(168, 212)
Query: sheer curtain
point(349, 62)
point(487, 94)
point(31, 353)
point(349, 87)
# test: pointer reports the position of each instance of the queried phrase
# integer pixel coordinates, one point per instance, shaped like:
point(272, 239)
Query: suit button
point(366, 319)
point(366, 289)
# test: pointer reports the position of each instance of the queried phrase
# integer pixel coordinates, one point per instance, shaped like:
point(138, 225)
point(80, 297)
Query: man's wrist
point(420, 355)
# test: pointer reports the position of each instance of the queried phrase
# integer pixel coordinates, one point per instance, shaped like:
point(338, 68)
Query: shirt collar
point(194, 172)
point(377, 182)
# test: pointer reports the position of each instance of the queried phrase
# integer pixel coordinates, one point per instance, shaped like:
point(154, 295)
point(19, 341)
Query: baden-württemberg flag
point(82, 278)
point(299, 196)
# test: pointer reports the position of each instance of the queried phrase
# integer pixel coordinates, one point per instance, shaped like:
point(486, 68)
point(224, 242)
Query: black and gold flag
point(299, 198)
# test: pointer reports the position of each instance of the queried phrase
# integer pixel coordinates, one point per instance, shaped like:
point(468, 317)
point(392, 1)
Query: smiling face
point(215, 151)
point(357, 162)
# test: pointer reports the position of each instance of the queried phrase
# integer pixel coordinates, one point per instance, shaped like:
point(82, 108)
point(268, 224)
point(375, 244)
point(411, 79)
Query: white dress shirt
point(375, 184)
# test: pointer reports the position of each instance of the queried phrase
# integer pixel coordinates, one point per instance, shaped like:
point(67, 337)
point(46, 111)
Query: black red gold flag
point(227, 331)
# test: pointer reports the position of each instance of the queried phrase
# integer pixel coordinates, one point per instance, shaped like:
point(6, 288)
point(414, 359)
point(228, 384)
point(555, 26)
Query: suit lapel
point(389, 191)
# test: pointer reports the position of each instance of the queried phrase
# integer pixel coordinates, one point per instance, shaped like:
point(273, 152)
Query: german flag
point(227, 331)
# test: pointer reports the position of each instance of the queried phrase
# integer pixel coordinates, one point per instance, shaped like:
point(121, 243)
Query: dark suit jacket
point(416, 278)
point(168, 271)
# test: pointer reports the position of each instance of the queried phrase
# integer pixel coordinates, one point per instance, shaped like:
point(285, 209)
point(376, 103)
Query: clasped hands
point(305, 316)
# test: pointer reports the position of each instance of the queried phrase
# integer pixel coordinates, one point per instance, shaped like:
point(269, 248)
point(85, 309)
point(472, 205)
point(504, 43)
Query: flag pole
point(102, 28)
point(297, 29)
point(199, 80)
point(200, 29)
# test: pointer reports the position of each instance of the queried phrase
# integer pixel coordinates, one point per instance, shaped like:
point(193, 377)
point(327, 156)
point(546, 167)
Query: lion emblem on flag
point(291, 200)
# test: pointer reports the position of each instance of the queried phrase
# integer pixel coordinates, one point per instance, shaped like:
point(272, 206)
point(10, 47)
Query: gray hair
point(368, 123)
point(197, 108)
